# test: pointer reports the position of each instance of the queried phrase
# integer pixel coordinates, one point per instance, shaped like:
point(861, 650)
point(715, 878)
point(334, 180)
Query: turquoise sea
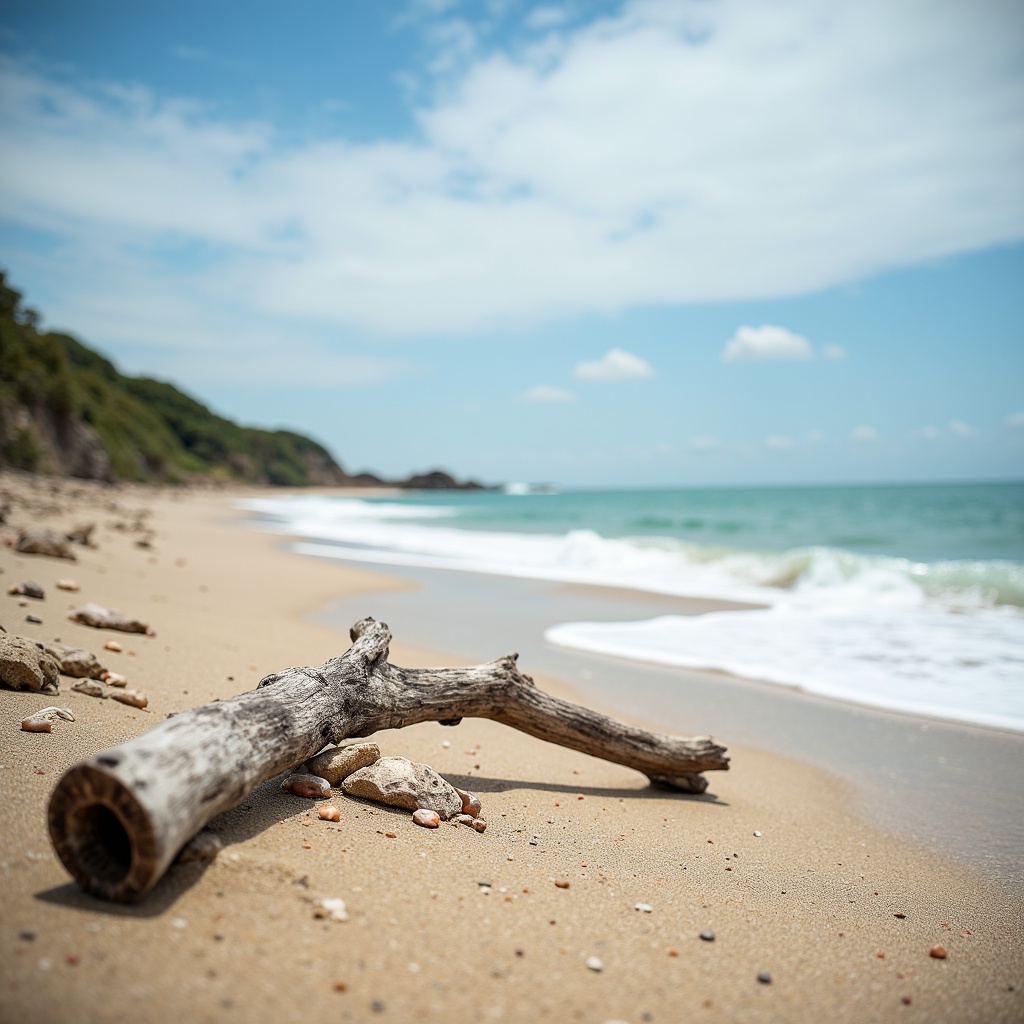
point(904, 597)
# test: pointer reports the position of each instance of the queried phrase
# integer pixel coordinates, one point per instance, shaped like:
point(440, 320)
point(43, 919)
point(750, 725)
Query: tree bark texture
point(118, 819)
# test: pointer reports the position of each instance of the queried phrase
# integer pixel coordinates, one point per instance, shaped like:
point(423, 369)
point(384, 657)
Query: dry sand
point(790, 881)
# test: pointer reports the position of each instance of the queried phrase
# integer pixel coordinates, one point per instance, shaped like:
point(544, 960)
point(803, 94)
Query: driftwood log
point(118, 820)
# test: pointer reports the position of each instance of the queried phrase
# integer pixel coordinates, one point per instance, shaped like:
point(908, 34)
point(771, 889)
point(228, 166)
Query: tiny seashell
point(328, 812)
point(90, 688)
point(307, 785)
point(42, 720)
point(426, 818)
point(331, 908)
point(131, 697)
point(113, 645)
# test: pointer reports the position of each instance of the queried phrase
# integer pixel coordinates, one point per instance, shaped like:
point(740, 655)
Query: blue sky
point(655, 242)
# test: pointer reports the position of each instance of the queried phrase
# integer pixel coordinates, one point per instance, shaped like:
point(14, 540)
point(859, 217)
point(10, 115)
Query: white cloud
point(930, 433)
point(614, 365)
point(864, 433)
point(960, 429)
point(833, 351)
point(545, 393)
point(767, 342)
point(1015, 419)
point(704, 443)
point(778, 441)
point(816, 436)
point(666, 153)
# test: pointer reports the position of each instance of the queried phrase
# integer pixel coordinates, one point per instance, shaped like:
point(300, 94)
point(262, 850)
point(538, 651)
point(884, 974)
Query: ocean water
point(902, 597)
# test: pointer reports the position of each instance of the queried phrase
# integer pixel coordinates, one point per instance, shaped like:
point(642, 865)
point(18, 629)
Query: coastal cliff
point(66, 410)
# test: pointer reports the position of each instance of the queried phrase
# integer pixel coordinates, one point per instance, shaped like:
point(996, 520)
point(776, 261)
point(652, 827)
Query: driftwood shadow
point(159, 900)
point(267, 805)
point(481, 784)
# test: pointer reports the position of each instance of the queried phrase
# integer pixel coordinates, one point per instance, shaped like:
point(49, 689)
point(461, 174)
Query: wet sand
point(839, 910)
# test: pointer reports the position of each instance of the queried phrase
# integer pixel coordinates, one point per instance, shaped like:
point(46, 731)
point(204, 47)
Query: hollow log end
point(103, 836)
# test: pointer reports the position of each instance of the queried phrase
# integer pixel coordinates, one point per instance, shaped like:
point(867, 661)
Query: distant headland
point(66, 410)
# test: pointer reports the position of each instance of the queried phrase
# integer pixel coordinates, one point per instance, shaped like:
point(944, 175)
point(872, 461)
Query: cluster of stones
point(36, 666)
point(360, 771)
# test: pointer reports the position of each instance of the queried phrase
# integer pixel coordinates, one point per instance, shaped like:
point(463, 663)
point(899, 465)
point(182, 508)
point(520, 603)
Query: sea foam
point(937, 638)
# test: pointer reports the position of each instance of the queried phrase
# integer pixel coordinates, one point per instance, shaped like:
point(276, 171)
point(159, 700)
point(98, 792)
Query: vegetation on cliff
point(65, 409)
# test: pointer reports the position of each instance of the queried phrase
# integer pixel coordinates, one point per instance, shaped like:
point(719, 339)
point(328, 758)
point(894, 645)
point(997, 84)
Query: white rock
point(399, 782)
point(644, 907)
point(594, 963)
point(333, 909)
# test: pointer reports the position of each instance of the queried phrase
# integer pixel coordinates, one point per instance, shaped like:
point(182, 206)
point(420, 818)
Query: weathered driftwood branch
point(118, 820)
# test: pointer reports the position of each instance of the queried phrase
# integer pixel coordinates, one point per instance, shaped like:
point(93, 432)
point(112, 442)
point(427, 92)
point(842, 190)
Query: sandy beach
point(799, 876)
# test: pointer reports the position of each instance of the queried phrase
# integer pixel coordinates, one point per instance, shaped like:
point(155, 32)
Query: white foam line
point(693, 589)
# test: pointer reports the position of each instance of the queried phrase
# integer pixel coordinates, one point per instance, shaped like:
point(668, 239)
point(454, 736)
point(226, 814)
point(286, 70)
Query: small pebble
point(307, 785)
point(758, 834)
point(470, 804)
point(426, 818)
point(113, 645)
point(133, 698)
point(390, 835)
point(446, 744)
point(114, 678)
point(562, 883)
point(340, 986)
point(34, 619)
point(179, 922)
point(333, 908)
point(478, 825)
point(645, 908)
point(90, 688)
point(27, 935)
point(673, 951)
point(708, 936)
point(202, 846)
point(67, 585)
point(594, 964)
point(328, 812)
point(906, 1000)
point(938, 952)
point(764, 977)
point(900, 917)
